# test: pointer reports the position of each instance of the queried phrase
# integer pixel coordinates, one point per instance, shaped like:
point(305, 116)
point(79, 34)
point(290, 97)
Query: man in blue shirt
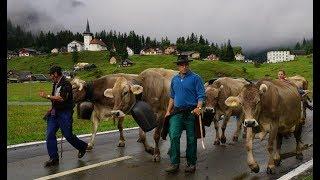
point(186, 96)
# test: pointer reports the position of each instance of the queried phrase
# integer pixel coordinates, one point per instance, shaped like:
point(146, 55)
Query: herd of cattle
point(266, 106)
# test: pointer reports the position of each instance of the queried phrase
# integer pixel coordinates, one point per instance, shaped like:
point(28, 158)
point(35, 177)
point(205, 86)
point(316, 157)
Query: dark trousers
point(63, 120)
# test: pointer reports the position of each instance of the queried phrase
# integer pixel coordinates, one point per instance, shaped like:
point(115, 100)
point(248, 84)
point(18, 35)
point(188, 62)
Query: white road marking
point(84, 168)
point(79, 136)
point(297, 171)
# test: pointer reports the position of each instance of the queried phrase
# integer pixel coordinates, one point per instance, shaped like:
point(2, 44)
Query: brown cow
point(216, 94)
point(273, 106)
point(154, 84)
point(93, 92)
point(301, 83)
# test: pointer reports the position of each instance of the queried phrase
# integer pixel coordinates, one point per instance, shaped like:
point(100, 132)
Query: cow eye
point(125, 93)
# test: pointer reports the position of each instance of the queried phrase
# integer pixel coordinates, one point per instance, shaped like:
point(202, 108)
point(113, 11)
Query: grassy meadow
point(25, 123)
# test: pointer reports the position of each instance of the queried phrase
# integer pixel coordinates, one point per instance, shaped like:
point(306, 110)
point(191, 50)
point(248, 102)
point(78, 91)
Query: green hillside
point(207, 69)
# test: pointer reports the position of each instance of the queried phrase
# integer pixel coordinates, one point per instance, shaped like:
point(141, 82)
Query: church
point(89, 42)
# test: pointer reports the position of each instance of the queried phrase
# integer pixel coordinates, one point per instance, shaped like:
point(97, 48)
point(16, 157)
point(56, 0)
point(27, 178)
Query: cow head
point(249, 100)
point(78, 90)
point(124, 94)
point(212, 97)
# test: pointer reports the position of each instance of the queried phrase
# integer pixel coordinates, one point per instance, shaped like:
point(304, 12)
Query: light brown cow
point(274, 107)
point(301, 83)
point(216, 94)
point(154, 85)
point(93, 92)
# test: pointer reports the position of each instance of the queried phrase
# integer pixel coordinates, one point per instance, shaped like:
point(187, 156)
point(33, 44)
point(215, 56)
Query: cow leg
point(216, 127)
point(142, 139)
point(223, 138)
point(276, 157)
point(272, 137)
point(304, 111)
point(252, 163)
point(239, 125)
point(156, 137)
point(297, 134)
point(120, 127)
point(95, 124)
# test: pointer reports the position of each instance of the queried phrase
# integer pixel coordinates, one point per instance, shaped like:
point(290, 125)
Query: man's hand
point(197, 111)
point(167, 114)
point(42, 94)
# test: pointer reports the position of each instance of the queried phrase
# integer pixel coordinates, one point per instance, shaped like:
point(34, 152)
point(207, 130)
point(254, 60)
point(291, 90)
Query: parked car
point(26, 76)
point(41, 77)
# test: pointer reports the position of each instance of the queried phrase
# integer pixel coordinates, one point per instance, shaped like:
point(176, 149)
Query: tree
point(75, 55)
point(229, 52)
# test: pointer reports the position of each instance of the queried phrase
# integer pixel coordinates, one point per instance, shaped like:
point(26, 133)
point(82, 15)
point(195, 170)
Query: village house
point(159, 51)
point(28, 52)
point(191, 54)
point(170, 50)
point(213, 57)
point(239, 57)
point(148, 51)
point(54, 51)
point(130, 51)
point(279, 56)
point(113, 60)
point(89, 42)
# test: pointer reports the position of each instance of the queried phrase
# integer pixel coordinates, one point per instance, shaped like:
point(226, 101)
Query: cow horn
point(80, 86)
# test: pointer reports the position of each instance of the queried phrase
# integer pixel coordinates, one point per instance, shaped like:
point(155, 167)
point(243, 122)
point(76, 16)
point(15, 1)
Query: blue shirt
point(188, 90)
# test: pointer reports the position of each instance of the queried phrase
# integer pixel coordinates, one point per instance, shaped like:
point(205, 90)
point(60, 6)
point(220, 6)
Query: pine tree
point(75, 55)
point(229, 52)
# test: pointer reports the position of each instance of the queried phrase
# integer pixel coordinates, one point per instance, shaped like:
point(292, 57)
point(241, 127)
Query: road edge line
point(71, 171)
point(300, 169)
point(58, 139)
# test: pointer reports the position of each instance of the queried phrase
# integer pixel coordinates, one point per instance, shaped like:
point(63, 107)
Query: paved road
point(216, 162)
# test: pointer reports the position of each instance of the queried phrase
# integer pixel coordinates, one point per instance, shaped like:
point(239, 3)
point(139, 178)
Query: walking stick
point(201, 132)
point(200, 122)
point(61, 150)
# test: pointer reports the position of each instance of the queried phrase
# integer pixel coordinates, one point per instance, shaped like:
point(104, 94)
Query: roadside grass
point(27, 92)
point(303, 66)
point(25, 124)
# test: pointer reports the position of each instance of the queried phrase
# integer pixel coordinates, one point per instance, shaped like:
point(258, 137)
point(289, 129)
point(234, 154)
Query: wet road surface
point(215, 162)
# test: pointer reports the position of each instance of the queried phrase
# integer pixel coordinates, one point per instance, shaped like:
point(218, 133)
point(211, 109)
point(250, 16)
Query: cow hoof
point(235, 139)
point(156, 158)
point(216, 142)
point(270, 170)
point(255, 169)
point(89, 148)
point(277, 162)
point(149, 150)
point(121, 144)
point(223, 140)
point(299, 156)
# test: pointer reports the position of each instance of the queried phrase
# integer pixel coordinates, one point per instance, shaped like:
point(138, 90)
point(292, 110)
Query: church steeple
point(87, 32)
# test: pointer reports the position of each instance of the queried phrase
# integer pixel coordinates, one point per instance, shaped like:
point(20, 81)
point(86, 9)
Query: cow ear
point(232, 101)
point(136, 89)
point(263, 88)
point(108, 93)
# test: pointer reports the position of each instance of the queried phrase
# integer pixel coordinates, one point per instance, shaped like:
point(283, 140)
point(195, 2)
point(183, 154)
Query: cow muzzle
point(250, 123)
point(117, 113)
point(210, 110)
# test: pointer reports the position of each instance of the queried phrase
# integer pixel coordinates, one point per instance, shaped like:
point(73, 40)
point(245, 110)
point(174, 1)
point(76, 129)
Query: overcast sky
point(251, 24)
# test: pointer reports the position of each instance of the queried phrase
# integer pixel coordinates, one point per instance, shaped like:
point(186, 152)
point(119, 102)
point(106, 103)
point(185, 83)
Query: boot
point(190, 168)
point(51, 162)
point(172, 168)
